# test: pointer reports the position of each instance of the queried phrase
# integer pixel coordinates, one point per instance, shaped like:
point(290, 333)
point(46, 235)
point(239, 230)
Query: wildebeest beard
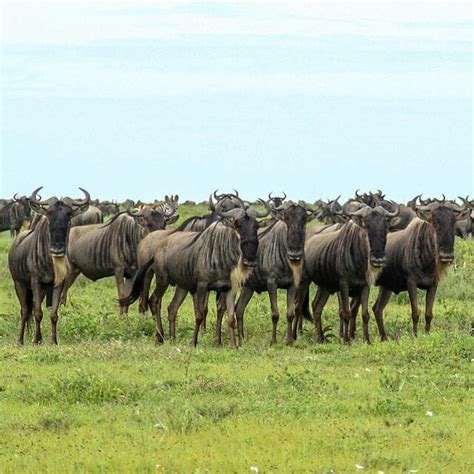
point(61, 269)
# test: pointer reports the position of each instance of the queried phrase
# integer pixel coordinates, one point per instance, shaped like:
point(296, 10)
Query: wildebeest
point(418, 257)
point(465, 227)
point(346, 261)
point(13, 214)
point(93, 215)
point(37, 259)
point(279, 264)
point(107, 208)
point(11, 217)
point(219, 258)
point(104, 250)
point(276, 201)
point(147, 246)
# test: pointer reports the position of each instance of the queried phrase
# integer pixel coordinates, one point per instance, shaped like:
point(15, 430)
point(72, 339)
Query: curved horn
point(212, 207)
point(82, 202)
point(412, 203)
point(259, 214)
point(357, 194)
point(218, 196)
point(362, 212)
point(332, 207)
point(33, 195)
point(395, 213)
point(270, 195)
point(236, 193)
point(235, 213)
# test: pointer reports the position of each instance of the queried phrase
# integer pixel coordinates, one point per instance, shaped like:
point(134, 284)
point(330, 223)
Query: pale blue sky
point(140, 99)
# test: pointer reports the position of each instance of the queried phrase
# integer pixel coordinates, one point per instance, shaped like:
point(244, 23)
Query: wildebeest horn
point(212, 207)
point(332, 206)
point(270, 195)
point(465, 201)
point(357, 194)
point(82, 202)
point(395, 213)
point(362, 212)
point(217, 197)
point(412, 203)
point(236, 193)
point(258, 214)
point(33, 195)
point(235, 213)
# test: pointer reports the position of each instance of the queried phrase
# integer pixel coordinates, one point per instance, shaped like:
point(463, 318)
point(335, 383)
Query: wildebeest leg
point(430, 297)
point(341, 316)
point(379, 305)
point(199, 301)
point(119, 280)
point(346, 310)
point(127, 289)
point(38, 295)
point(155, 308)
point(206, 310)
point(143, 302)
point(25, 310)
point(272, 293)
point(54, 313)
point(68, 282)
point(415, 315)
point(320, 299)
point(219, 315)
point(355, 304)
point(290, 313)
point(177, 301)
point(364, 301)
point(242, 302)
point(229, 304)
point(301, 293)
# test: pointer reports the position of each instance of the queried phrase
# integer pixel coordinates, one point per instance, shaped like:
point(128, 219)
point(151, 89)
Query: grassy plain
point(108, 400)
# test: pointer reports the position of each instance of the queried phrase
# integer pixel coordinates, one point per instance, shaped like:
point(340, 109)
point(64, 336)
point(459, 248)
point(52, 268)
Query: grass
point(108, 400)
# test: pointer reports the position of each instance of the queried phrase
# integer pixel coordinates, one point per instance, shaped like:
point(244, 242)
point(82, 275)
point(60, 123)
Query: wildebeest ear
point(424, 214)
point(463, 214)
point(394, 221)
point(39, 208)
point(76, 210)
point(359, 220)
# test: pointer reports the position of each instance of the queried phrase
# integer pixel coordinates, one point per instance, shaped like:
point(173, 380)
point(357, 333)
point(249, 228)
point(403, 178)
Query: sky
point(315, 98)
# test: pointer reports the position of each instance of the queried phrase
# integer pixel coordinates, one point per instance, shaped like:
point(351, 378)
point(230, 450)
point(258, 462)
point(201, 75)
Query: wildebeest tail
point(305, 308)
point(137, 284)
point(29, 305)
point(49, 297)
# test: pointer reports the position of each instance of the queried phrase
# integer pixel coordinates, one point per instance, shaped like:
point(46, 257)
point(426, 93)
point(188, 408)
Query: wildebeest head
point(244, 220)
point(25, 202)
point(443, 215)
point(276, 201)
point(154, 219)
point(376, 221)
point(295, 216)
point(59, 213)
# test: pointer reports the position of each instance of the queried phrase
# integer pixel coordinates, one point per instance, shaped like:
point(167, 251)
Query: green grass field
point(108, 400)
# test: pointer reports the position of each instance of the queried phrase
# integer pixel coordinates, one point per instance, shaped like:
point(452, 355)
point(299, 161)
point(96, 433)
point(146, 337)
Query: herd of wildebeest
point(235, 250)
